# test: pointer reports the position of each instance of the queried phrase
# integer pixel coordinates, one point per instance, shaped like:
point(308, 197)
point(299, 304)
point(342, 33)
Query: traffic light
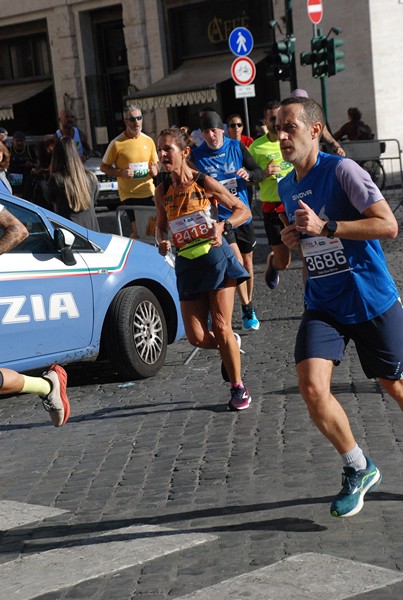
point(319, 52)
point(317, 57)
point(324, 56)
point(334, 55)
point(307, 58)
point(281, 56)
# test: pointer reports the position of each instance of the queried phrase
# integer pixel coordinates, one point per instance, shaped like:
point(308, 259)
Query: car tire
point(137, 337)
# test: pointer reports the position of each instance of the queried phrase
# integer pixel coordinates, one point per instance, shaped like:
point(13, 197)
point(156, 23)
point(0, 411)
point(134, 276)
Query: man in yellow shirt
point(132, 158)
point(266, 152)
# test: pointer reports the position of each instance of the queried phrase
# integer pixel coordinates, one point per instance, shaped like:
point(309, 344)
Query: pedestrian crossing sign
point(240, 41)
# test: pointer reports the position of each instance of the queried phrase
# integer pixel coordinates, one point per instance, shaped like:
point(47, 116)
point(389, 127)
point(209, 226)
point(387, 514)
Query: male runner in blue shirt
point(336, 215)
point(230, 163)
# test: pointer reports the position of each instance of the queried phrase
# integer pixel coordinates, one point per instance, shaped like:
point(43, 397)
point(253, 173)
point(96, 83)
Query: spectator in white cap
point(327, 137)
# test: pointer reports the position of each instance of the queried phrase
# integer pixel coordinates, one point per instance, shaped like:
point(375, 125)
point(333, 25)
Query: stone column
point(65, 62)
point(145, 53)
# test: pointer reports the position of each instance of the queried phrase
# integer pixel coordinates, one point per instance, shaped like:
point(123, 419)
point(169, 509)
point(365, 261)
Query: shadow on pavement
point(86, 533)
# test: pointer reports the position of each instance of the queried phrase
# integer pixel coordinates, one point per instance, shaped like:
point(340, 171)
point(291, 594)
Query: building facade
point(172, 58)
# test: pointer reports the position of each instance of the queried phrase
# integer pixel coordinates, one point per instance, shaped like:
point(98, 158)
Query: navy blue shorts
point(208, 272)
point(379, 342)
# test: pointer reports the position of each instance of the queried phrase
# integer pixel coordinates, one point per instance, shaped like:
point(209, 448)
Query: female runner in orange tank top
point(206, 267)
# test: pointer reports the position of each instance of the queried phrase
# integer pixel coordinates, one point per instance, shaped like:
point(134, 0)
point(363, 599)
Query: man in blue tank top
point(335, 217)
point(67, 129)
point(229, 162)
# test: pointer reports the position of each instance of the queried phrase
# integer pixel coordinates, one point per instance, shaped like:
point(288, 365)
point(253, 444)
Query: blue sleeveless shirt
point(349, 279)
point(222, 164)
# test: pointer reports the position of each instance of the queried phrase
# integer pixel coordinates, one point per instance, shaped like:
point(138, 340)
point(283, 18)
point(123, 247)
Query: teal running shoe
point(249, 319)
point(350, 500)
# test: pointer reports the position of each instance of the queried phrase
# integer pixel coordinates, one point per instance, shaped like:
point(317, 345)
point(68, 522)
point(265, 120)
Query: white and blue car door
point(46, 302)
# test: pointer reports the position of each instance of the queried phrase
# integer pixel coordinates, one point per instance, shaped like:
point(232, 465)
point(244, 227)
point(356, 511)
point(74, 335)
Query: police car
point(71, 294)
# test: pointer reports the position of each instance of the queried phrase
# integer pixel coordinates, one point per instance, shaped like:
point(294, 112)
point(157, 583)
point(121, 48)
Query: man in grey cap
point(326, 135)
point(229, 162)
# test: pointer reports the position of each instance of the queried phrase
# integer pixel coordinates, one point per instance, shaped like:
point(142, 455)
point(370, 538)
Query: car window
point(81, 244)
point(38, 239)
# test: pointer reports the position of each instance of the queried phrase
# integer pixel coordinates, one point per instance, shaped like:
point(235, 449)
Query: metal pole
point(290, 33)
point(324, 96)
point(245, 108)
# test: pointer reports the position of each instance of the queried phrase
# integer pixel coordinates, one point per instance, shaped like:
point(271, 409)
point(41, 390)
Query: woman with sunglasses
point(235, 129)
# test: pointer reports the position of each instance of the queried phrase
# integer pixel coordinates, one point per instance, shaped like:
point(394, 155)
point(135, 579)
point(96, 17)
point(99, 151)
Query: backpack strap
point(166, 181)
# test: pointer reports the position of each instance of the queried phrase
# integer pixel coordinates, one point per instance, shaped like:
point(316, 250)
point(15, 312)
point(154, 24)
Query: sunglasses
point(233, 125)
point(134, 119)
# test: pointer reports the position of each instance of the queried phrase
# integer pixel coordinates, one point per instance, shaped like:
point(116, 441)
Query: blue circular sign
point(240, 41)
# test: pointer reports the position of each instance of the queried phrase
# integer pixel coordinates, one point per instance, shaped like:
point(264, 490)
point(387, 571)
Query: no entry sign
point(315, 11)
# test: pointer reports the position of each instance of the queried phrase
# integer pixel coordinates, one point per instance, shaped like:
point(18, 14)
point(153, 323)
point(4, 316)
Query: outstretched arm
point(240, 212)
point(331, 141)
point(14, 231)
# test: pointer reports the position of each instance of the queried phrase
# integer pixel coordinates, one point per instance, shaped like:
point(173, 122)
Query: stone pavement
point(143, 461)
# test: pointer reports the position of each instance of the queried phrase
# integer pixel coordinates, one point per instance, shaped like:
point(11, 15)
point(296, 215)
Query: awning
point(13, 94)
point(194, 82)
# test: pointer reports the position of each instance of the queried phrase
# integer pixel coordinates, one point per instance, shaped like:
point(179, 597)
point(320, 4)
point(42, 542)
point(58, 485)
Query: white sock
point(355, 458)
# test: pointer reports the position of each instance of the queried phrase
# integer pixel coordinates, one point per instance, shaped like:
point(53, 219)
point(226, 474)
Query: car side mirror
point(64, 240)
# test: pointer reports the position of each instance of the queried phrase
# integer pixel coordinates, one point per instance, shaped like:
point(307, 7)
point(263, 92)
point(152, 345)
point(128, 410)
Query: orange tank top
point(191, 215)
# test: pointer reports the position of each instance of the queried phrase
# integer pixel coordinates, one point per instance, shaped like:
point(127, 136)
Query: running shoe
point(56, 402)
point(350, 500)
point(224, 372)
point(271, 276)
point(240, 398)
point(249, 319)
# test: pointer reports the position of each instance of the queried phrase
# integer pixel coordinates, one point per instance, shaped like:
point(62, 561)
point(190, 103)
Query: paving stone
point(167, 451)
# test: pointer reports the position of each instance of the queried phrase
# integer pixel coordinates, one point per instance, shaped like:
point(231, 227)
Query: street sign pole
point(246, 111)
point(244, 92)
point(315, 14)
point(241, 43)
point(324, 96)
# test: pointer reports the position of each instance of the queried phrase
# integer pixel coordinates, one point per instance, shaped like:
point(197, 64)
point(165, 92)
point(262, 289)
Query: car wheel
point(137, 335)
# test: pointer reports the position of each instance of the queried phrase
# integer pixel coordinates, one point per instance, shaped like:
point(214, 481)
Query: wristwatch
point(227, 226)
point(331, 227)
